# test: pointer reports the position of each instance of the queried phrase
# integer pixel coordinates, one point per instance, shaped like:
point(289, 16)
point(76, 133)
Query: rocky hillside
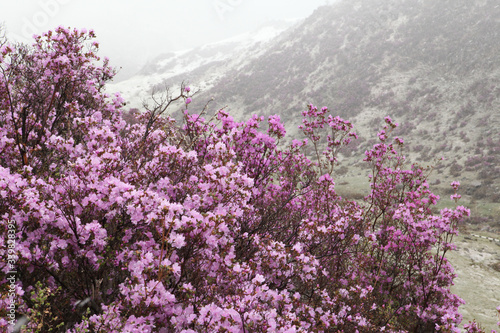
point(477, 265)
point(432, 65)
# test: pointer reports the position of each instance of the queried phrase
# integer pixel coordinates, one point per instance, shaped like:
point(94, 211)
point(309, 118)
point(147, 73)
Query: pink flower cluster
point(205, 225)
point(455, 197)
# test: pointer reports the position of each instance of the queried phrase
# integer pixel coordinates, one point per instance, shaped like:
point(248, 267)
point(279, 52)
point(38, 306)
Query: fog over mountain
point(433, 66)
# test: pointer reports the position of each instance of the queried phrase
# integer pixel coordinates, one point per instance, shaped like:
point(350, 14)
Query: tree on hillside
point(204, 225)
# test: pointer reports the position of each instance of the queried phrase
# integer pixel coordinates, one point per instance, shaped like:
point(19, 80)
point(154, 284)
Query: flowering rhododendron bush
point(203, 225)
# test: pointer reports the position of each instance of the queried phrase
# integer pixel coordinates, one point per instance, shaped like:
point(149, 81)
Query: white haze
point(132, 32)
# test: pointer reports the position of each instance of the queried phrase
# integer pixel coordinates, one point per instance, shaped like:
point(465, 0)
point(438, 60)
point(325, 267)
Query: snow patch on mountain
point(200, 67)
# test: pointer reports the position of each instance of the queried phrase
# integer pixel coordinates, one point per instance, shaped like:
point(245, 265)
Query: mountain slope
point(203, 65)
point(434, 66)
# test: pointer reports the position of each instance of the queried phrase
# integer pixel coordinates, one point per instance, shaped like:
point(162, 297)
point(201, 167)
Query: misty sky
point(131, 32)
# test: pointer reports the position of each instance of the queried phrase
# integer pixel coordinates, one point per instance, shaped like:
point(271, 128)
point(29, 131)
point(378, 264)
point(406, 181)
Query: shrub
point(203, 225)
